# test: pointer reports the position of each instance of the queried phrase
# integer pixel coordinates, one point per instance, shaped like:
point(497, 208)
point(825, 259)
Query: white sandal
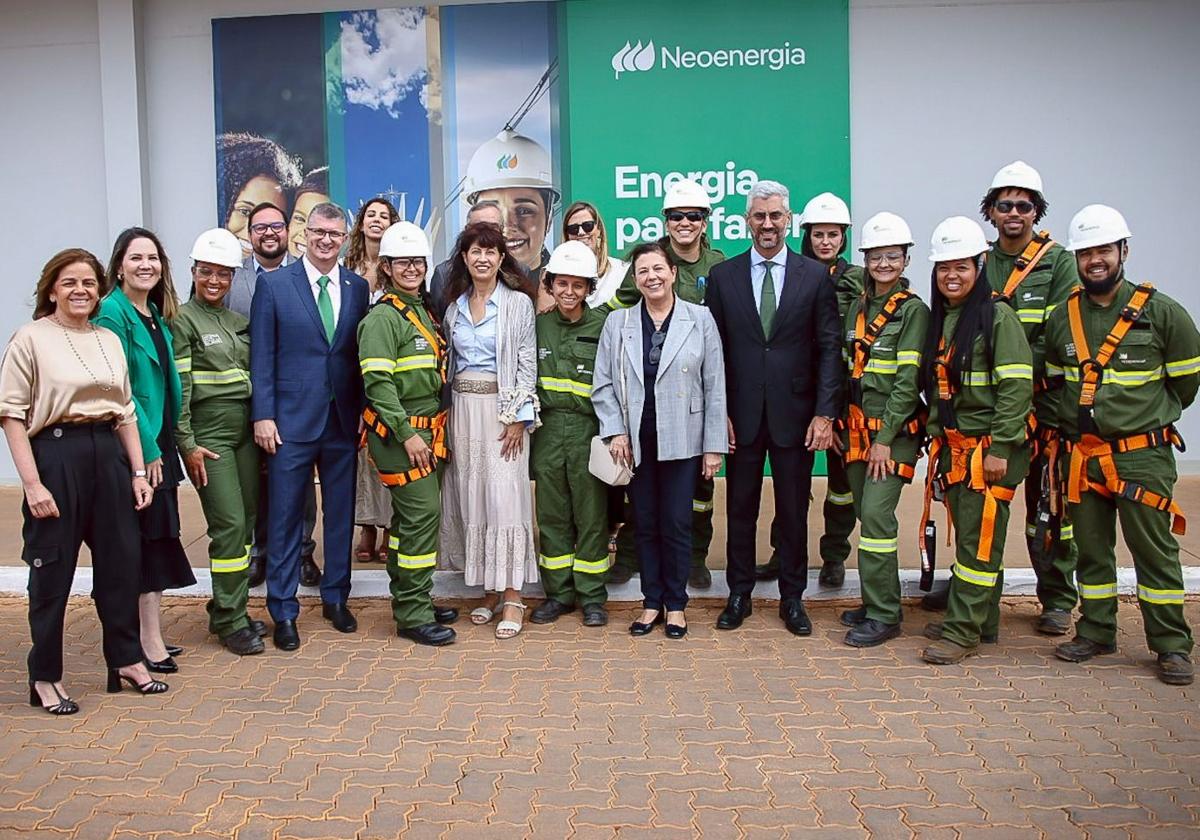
point(506, 629)
point(482, 615)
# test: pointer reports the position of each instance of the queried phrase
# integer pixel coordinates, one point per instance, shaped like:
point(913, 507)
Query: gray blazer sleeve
point(606, 380)
point(716, 432)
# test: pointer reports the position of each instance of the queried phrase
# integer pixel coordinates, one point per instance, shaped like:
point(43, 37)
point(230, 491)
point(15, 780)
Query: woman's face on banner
point(525, 222)
point(305, 202)
point(259, 189)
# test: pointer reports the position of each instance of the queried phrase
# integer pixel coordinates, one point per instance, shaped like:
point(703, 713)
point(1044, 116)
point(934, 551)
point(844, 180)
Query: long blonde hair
point(601, 239)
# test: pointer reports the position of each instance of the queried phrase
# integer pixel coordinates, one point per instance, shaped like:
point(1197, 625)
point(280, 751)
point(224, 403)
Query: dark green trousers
point(878, 565)
point(1055, 582)
point(838, 512)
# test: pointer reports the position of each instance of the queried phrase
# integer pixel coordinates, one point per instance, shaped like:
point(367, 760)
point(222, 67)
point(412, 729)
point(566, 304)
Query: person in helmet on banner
point(978, 376)
point(403, 359)
point(1128, 358)
point(212, 354)
point(883, 429)
point(572, 504)
point(686, 206)
point(514, 171)
point(826, 223)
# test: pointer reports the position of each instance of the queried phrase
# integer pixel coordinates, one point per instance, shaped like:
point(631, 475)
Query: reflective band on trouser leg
point(878, 568)
point(1095, 521)
point(1097, 591)
point(562, 561)
point(837, 512)
point(589, 509)
point(702, 520)
point(552, 505)
point(412, 535)
point(225, 565)
point(976, 584)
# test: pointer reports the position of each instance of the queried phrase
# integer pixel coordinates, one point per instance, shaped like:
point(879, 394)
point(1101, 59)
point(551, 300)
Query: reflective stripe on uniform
point(420, 362)
point(1097, 591)
point(1184, 367)
point(411, 561)
point(591, 567)
point(1124, 378)
point(909, 357)
point(220, 377)
point(978, 578)
point(376, 365)
point(224, 565)
point(877, 546)
point(1160, 596)
point(699, 506)
point(1066, 532)
point(839, 498)
point(183, 364)
point(1032, 316)
point(565, 386)
point(562, 561)
point(1015, 371)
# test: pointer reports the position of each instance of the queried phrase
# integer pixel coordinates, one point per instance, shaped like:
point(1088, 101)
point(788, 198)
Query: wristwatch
point(139, 473)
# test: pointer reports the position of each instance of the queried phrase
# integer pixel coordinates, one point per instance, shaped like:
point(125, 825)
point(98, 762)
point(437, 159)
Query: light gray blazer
point(689, 393)
point(241, 290)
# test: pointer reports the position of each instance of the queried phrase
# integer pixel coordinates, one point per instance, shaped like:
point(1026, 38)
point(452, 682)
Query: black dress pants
point(85, 468)
point(791, 472)
point(662, 493)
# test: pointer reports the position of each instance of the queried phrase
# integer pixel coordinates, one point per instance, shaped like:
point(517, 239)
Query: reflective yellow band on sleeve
point(884, 367)
point(562, 561)
point(877, 546)
point(1184, 367)
point(1097, 591)
point(1160, 596)
point(1066, 532)
point(590, 567)
point(978, 578)
point(376, 365)
point(1014, 372)
point(909, 357)
point(183, 364)
point(1031, 316)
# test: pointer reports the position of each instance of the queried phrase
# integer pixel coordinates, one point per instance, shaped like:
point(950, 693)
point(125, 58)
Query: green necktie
point(325, 307)
point(766, 305)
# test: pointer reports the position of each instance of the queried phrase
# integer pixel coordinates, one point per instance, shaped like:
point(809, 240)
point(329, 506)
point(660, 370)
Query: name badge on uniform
point(210, 339)
point(421, 343)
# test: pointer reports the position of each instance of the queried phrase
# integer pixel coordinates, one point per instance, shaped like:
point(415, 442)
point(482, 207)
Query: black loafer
point(340, 617)
point(432, 634)
point(445, 615)
point(737, 609)
point(287, 637)
point(258, 571)
point(641, 628)
point(244, 642)
point(162, 666)
point(549, 611)
point(869, 633)
point(594, 615)
point(795, 619)
point(174, 650)
point(310, 574)
point(852, 618)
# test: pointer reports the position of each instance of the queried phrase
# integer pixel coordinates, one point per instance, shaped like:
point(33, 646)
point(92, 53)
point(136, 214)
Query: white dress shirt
point(335, 286)
point(758, 270)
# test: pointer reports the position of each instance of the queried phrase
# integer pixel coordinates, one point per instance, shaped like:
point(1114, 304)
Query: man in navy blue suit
point(308, 395)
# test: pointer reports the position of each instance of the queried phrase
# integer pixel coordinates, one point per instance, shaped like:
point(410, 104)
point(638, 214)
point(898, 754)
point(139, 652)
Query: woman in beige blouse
point(69, 419)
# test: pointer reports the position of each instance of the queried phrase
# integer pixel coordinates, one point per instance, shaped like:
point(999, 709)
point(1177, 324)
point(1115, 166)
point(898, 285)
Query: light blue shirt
point(758, 270)
point(475, 344)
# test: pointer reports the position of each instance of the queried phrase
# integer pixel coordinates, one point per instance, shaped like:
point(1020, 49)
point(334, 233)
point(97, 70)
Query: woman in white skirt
point(487, 507)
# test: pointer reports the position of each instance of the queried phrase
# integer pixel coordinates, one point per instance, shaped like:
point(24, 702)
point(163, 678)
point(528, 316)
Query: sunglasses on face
point(262, 227)
point(691, 216)
point(656, 344)
point(1022, 207)
point(582, 227)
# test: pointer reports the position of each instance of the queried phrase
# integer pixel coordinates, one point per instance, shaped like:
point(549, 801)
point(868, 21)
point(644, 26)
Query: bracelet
point(139, 473)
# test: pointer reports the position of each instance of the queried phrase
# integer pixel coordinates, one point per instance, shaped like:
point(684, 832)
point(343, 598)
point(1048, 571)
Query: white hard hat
point(573, 258)
point(404, 239)
point(885, 229)
point(218, 246)
point(957, 238)
point(1096, 224)
point(825, 209)
point(686, 193)
point(1020, 175)
point(510, 160)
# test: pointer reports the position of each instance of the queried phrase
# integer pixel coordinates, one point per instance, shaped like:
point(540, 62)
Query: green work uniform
point(690, 284)
point(1043, 289)
point(993, 400)
point(889, 392)
point(212, 356)
point(1153, 375)
point(572, 504)
point(402, 366)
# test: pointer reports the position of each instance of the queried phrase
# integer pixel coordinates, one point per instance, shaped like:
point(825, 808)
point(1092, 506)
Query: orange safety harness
point(436, 423)
point(1026, 262)
point(1091, 445)
point(857, 425)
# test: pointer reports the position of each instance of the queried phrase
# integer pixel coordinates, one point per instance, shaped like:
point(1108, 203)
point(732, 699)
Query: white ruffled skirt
point(487, 502)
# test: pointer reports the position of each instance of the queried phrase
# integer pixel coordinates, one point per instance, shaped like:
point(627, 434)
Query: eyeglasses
point(208, 272)
point(334, 235)
point(891, 258)
point(582, 227)
point(403, 264)
point(690, 215)
point(262, 227)
point(657, 340)
point(1022, 207)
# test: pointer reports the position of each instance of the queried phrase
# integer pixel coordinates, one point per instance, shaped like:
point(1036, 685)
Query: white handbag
point(600, 460)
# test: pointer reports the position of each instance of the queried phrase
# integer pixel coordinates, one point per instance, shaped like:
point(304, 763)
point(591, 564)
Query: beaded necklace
point(112, 376)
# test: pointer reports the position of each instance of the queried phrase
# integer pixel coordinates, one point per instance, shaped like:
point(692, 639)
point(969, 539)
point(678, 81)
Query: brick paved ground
point(570, 733)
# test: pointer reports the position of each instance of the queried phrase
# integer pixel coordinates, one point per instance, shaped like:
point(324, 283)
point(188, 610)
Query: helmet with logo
point(825, 209)
point(510, 160)
point(686, 193)
point(957, 238)
point(884, 229)
point(218, 246)
point(573, 258)
point(1094, 225)
point(1019, 175)
point(404, 239)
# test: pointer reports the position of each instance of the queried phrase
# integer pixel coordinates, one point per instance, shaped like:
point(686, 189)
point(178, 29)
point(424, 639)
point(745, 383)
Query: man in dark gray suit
point(482, 211)
point(268, 243)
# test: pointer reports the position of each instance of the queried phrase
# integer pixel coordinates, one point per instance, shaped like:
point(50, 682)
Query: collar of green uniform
point(208, 307)
point(1124, 292)
point(406, 297)
point(903, 284)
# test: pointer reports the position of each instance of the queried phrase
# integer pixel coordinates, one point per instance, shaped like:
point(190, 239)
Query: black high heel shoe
point(173, 650)
point(641, 628)
point(65, 705)
point(162, 666)
point(151, 686)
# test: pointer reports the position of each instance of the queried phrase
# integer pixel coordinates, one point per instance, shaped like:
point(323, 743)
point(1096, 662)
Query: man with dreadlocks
point(978, 376)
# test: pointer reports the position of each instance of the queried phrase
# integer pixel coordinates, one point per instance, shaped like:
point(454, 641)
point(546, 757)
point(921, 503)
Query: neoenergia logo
point(631, 59)
point(641, 57)
point(506, 162)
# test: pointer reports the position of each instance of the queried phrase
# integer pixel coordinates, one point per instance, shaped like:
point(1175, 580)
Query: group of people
point(426, 398)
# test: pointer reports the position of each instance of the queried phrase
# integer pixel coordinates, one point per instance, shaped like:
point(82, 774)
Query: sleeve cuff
point(885, 436)
point(1002, 450)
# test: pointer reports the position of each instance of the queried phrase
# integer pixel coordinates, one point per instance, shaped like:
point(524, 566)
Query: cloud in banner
point(383, 58)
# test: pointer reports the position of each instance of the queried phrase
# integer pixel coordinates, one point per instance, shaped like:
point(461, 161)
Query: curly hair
point(242, 157)
point(1039, 202)
point(356, 251)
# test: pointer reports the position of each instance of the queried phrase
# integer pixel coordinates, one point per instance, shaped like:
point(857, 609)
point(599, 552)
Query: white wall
point(1109, 90)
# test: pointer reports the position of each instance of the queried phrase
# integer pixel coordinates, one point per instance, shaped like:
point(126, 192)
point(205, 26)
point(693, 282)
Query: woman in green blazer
point(137, 310)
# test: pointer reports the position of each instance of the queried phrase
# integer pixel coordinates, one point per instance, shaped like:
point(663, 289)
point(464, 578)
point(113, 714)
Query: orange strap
point(435, 339)
point(436, 423)
point(865, 334)
point(1090, 446)
point(966, 466)
point(1027, 261)
point(858, 428)
point(1091, 368)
